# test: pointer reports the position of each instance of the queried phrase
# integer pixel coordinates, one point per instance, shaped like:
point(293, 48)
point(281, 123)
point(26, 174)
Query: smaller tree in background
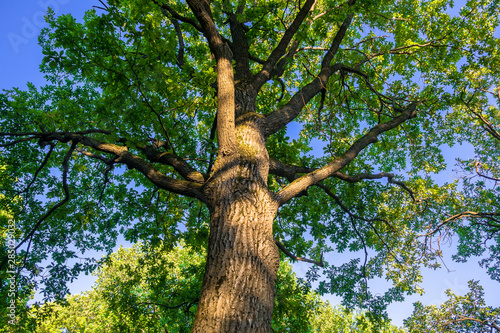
point(467, 313)
point(156, 290)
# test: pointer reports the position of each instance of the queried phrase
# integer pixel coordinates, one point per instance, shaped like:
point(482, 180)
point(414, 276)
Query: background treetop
point(145, 99)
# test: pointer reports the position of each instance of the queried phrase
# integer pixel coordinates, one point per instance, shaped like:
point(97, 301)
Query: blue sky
point(20, 56)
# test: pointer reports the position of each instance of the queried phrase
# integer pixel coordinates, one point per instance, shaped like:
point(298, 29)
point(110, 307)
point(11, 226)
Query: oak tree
point(168, 120)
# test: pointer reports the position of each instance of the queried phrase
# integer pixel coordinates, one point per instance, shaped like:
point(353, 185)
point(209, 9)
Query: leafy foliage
point(152, 290)
point(123, 138)
point(467, 313)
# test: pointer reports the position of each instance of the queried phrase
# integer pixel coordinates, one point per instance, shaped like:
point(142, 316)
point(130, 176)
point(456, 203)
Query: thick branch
point(167, 9)
point(240, 48)
point(278, 168)
point(339, 162)
point(280, 118)
point(294, 257)
point(479, 164)
point(265, 73)
point(13, 143)
point(44, 163)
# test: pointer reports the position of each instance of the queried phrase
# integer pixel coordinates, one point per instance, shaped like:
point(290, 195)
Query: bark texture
point(242, 260)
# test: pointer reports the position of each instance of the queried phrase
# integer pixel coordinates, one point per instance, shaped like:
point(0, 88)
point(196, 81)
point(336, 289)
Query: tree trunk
point(242, 259)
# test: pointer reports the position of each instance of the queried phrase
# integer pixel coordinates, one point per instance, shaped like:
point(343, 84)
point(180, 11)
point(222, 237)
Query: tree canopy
point(168, 121)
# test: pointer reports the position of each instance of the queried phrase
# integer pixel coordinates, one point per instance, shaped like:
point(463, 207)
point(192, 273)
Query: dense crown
point(343, 107)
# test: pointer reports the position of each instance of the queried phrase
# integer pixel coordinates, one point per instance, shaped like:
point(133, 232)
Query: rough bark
point(242, 259)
